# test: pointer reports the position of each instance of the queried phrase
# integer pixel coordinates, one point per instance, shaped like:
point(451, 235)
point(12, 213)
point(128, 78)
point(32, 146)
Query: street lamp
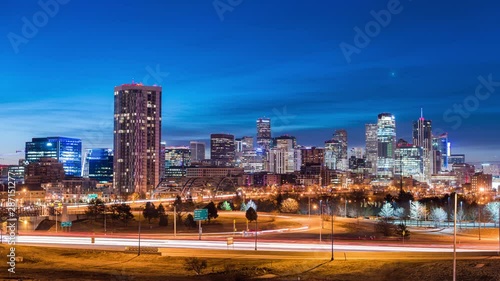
point(331, 210)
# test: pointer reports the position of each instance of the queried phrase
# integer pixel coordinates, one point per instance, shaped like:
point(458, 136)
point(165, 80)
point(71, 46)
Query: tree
point(195, 264)
point(163, 216)
point(493, 208)
point(161, 210)
point(95, 208)
point(251, 204)
point(226, 206)
point(289, 205)
point(399, 213)
point(243, 207)
point(416, 211)
point(190, 222)
point(121, 212)
point(438, 215)
point(212, 211)
point(150, 212)
point(251, 214)
point(402, 231)
point(387, 211)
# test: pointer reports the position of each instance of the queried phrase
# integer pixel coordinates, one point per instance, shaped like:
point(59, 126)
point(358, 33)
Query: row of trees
point(419, 212)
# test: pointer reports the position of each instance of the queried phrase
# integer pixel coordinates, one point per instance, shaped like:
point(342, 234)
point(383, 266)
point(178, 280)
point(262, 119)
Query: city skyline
point(308, 90)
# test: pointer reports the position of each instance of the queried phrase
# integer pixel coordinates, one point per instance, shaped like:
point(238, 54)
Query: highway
point(121, 243)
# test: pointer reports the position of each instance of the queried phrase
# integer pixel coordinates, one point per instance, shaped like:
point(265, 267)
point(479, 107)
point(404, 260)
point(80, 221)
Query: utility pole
point(331, 210)
point(320, 219)
point(455, 240)
point(175, 221)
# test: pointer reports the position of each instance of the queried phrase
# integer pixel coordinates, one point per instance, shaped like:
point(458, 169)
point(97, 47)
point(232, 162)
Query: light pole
point(479, 208)
point(256, 230)
point(455, 240)
point(331, 210)
point(139, 248)
point(320, 218)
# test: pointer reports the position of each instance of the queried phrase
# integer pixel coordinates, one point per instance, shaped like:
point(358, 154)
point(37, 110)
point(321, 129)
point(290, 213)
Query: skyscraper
point(440, 143)
point(98, 164)
point(422, 136)
point(386, 138)
point(197, 151)
point(137, 135)
point(341, 137)
point(371, 150)
point(264, 133)
point(177, 160)
point(67, 151)
point(222, 149)
point(408, 161)
point(333, 152)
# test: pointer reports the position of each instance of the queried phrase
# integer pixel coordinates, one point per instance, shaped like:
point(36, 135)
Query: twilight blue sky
point(279, 59)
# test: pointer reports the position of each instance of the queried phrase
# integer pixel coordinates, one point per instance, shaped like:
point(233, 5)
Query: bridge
point(195, 187)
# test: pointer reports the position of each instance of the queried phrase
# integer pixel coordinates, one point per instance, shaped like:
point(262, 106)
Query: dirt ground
point(68, 264)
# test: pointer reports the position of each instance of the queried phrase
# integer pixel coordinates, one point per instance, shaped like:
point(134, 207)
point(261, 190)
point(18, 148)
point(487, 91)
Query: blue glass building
point(67, 151)
point(98, 164)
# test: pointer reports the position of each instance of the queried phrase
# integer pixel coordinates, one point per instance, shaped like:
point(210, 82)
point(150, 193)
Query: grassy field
point(224, 223)
point(68, 264)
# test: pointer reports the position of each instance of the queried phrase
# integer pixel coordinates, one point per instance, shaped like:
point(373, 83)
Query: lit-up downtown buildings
point(67, 151)
point(137, 135)
point(386, 138)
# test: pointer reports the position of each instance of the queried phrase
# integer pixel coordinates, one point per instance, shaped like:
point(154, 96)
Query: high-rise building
point(222, 149)
point(422, 136)
point(197, 151)
point(481, 183)
point(177, 160)
point(456, 159)
point(409, 161)
point(67, 151)
point(341, 137)
point(333, 155)
point(264, 133)
point(281, 156)
point(371, 150)
point(491, 169)
point(47, 170)
point(312, 156)
point(386, 138)
point(357, 152)
point(98, 164)
point(285, 141)
point(247, 143)
point(137, 137)
point(440, 143)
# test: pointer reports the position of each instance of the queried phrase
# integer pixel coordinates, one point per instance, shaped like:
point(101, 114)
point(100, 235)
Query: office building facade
point(137, 138)
point(222, 149)
point(98, 164)
point(371, 149)
point(386, 139)
point(67, 151)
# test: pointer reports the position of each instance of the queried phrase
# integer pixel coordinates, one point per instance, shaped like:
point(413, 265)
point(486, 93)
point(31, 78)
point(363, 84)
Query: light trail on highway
point(222, 245)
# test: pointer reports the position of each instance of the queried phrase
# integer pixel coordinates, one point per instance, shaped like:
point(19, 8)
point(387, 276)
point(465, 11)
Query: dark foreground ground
point(66, 264)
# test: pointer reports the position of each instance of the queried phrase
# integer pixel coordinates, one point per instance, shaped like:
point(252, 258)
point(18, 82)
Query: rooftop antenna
point(421, 113)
